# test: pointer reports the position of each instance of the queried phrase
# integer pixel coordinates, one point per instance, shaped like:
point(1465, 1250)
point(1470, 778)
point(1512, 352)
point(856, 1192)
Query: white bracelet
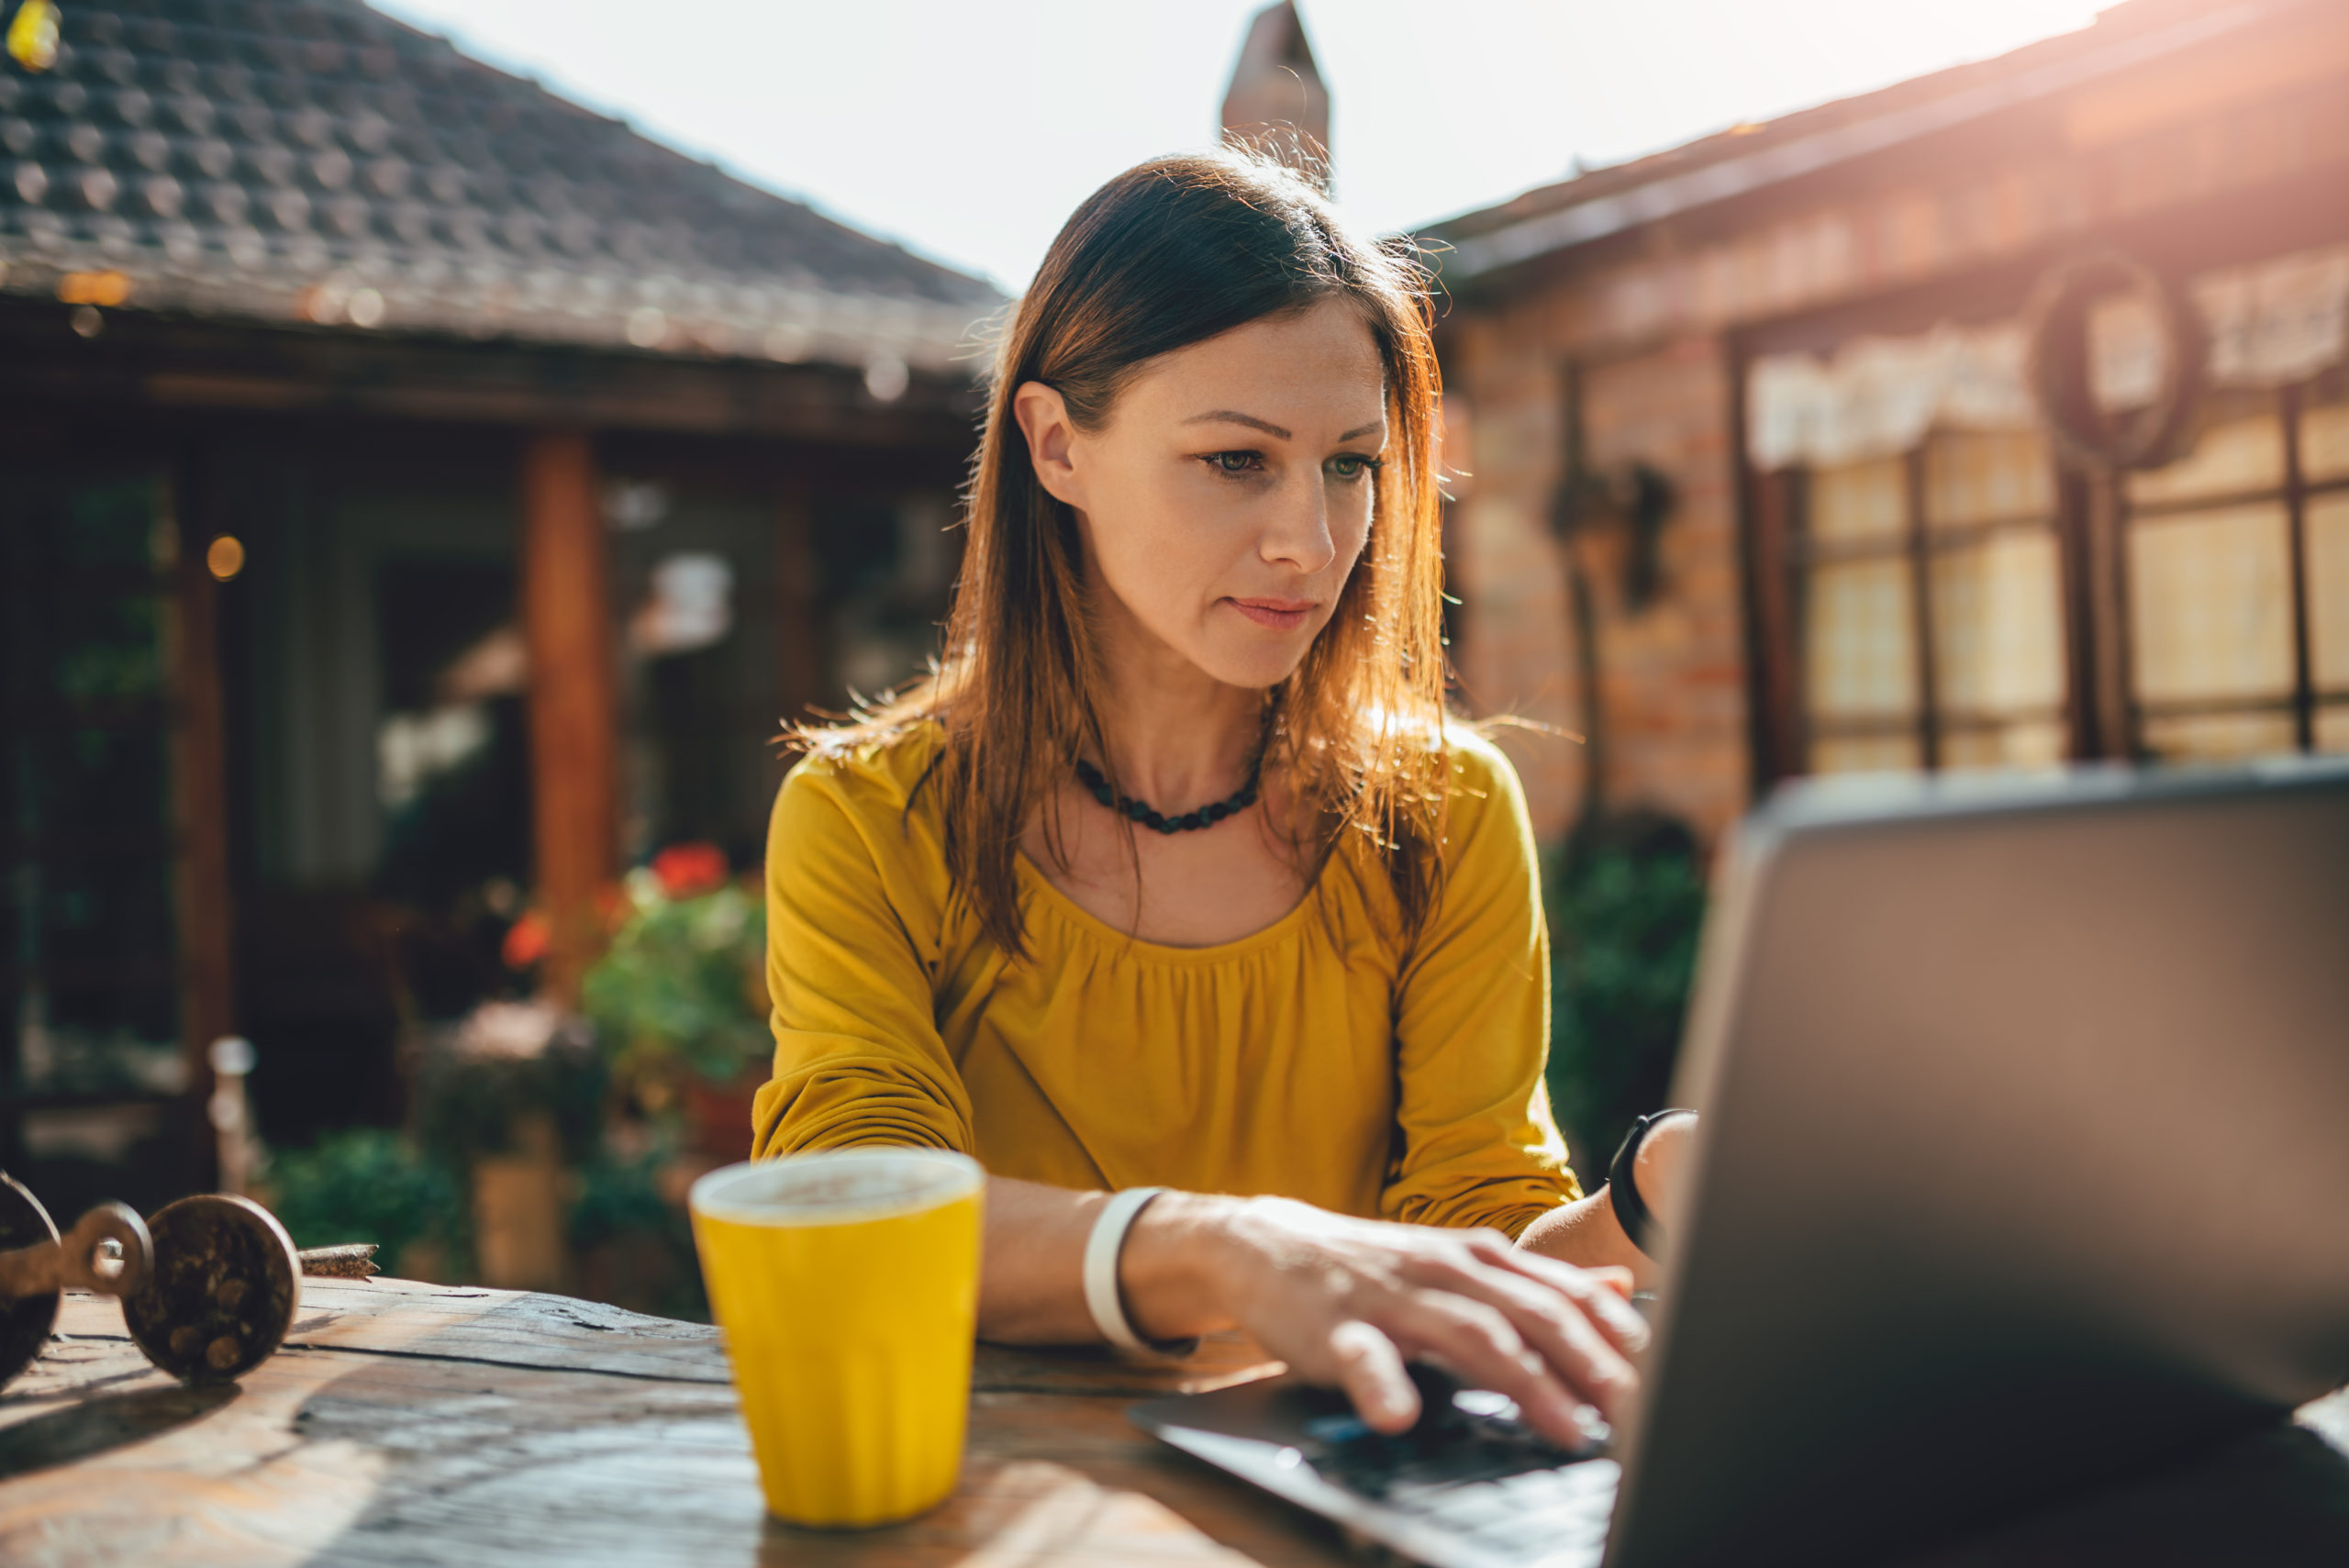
point(1101, 1250)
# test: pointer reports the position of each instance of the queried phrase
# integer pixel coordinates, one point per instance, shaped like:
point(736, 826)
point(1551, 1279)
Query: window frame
point(1917, 544)
point(188, 716)
point(2294, 492)
point(2092, 525)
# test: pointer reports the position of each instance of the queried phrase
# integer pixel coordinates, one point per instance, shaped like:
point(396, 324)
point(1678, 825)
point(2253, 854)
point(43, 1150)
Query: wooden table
point(411, 1424)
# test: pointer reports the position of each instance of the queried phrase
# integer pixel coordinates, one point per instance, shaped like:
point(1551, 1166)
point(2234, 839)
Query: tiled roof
point(314, 161)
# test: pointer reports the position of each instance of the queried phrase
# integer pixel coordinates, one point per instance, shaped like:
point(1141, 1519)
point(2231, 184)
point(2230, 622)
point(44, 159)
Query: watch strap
point(1632, 1211)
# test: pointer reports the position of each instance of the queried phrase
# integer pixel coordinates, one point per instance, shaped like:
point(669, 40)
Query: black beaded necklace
point(1190, 821)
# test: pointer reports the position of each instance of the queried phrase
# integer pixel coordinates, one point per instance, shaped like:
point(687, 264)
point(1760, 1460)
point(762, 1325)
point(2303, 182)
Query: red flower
point(525, 940)
point(683, 870)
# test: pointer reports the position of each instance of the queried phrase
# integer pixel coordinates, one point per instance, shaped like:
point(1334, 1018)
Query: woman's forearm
point(1586, 1234)
point(1590, 1235)
point(1032, 1282)
point(1031, 1278)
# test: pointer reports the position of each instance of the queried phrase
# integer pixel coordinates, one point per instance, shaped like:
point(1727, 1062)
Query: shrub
point(368, 1185)
point(1625, 897)
point(635, 1247)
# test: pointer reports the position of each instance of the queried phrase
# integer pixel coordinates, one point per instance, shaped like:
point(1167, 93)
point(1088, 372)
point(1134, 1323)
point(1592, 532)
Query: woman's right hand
point(1350, 1302)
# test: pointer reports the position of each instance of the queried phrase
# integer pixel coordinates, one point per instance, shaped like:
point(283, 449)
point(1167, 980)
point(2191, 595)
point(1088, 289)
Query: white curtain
point(2271, 322)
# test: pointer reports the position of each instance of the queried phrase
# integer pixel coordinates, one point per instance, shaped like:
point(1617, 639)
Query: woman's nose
point(1297, 535)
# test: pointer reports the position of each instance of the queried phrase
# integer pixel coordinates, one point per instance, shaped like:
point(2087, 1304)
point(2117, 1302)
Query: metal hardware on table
point(107, 1250)
point(223, 1290)
point(209, 1286)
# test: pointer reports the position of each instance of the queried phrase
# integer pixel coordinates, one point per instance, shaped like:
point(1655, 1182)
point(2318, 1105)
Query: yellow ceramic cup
point(848, 1286)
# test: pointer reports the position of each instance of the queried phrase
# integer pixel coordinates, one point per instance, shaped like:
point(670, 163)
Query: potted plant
point(511, 1094)
point(679, 999)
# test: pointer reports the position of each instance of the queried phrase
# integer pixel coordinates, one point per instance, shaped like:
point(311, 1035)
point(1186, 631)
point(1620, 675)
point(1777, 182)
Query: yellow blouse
point(1320, 1059)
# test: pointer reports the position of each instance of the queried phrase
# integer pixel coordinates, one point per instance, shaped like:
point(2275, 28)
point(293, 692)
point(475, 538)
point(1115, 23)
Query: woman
point(1176, 875)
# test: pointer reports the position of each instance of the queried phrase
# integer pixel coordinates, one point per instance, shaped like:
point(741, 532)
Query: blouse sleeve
point(1478, 1145)
point(851, 922)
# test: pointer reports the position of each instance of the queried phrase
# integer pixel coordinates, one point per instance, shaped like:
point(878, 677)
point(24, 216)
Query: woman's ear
point(1043, 419)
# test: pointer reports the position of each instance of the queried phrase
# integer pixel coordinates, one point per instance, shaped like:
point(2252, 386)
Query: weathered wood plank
point(408, 1424)
point(336, 1452)
point(517, 1329)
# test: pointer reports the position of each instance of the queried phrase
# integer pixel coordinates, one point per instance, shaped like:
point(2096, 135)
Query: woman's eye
point(1351, 465)
point(1235, 462)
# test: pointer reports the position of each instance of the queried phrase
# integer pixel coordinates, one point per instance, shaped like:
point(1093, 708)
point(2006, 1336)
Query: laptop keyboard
point(1473, 1471)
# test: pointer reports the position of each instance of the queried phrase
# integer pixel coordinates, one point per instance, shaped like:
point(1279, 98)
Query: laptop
point(2023, 1167)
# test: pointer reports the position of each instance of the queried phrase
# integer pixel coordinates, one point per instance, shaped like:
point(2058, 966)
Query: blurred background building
point(424, 499)
point(1989, 420)
point(421, 497)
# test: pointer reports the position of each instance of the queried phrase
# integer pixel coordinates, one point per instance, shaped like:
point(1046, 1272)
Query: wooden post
point(2296, 498)
point(2082, 699)
point(567, 624)
point(206, 954)
point(800, 630)
point(2107, 557)
point(1779, 742)
point(1920, 613)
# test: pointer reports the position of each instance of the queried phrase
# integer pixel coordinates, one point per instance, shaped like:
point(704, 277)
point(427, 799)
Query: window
point(2238, 581)
point(1942, 607)
point(1929, 604)
point(98, 991)
point(1929, 589)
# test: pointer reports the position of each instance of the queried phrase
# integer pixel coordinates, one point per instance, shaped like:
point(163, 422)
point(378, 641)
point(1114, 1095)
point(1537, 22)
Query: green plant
point(1625, 897)
point(484, 1080)
point(636, 1247)
point(368, 1185)
point(682, 986)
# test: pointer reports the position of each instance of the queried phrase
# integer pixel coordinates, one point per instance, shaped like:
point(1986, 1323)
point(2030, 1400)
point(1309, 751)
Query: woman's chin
point(1256, 668)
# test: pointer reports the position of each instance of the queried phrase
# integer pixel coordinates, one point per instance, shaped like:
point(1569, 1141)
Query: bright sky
point(968, 131)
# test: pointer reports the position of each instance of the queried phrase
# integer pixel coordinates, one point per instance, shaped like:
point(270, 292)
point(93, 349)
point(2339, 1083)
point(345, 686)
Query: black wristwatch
point(1632, 1210)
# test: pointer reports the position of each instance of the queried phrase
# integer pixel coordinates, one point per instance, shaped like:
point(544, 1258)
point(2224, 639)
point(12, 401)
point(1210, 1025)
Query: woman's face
point(1224, 503)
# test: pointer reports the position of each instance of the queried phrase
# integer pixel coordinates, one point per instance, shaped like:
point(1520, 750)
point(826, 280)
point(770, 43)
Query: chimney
point(1277, 104)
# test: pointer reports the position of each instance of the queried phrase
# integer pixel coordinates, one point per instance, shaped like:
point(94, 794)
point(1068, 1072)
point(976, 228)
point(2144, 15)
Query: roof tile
point(270, 159)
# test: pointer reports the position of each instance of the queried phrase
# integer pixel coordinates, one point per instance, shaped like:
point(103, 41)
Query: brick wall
point(1670, 730)
point(2259, 128)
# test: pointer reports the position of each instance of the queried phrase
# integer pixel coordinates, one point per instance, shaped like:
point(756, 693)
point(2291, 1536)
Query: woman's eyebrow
point(1231, 417)
point(1227, 417)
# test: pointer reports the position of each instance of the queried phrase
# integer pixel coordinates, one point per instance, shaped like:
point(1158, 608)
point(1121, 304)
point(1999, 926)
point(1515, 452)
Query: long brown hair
point(1167, 254)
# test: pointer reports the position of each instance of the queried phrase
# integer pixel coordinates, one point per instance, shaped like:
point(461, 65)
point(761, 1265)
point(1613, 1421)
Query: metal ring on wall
point(2059, 374)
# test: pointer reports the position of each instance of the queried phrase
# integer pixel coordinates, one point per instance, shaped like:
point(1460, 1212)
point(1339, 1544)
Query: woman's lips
point(1281, 615)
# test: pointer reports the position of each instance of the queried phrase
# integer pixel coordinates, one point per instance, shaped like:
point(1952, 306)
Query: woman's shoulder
point(865, 776)
point(1480, 769)
point(1480, 783)
point(1486, 825)
point(1484, 817)
point(855, 850)
point(1485, 853)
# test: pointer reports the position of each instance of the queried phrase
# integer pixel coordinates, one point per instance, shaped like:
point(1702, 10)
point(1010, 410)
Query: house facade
point(424, 498)
point(1994, 419)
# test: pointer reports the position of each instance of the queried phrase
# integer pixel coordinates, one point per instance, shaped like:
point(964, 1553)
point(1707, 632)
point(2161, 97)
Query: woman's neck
point(1178, 737)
